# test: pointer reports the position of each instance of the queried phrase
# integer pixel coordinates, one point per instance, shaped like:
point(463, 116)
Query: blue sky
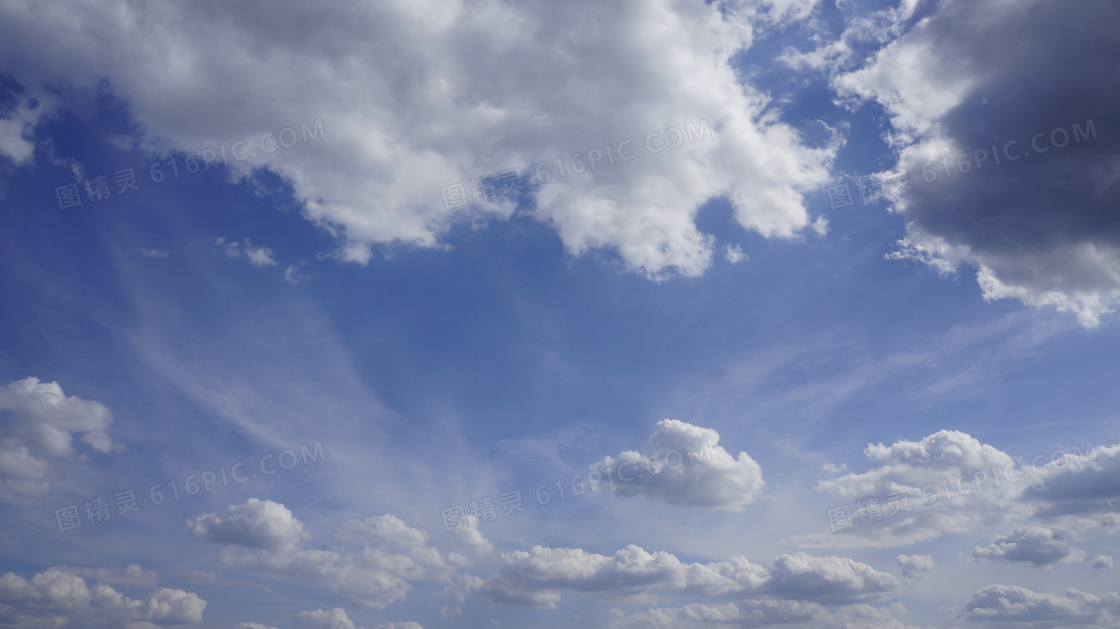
point(309, 368)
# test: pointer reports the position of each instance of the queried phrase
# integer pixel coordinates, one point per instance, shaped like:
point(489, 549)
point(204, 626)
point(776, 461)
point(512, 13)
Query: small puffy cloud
point(688, 467)
point(1010, 605)
point(154, 253)
point(372, 567)
point(1102, 562)
point(39, 421)
point(258, 256)
point(1038, 545)
point(254, 524)
point(16, 131)
point(322, 619)
point(55, 598)
point(915, 565)
point(734, 254)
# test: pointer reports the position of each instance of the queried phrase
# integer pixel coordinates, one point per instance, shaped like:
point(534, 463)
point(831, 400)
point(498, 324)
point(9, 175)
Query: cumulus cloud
point(373, 565)
point(1080, 484)
point(914, 566)
point(1031, 217)
point(537, 578)
point(919, 497)
point(254, 524)
point(40, 421)
point(321, 619)
point(1038, 545)
point(1010, 605)
point(688, 467)
point(410, 103)
point(1102, 562)
point(55, 598)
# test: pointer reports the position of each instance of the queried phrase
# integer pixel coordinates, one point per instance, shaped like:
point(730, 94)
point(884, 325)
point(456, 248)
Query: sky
point(421, 314)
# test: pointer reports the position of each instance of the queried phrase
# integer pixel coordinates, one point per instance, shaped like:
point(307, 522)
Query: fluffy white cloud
point(687, 467)
point(410, 103)
point(915, 565)
point(1102, 562)
point(372, 567)
point(254, 524)
point(538, 578)
point(934, 479)
point(1038, 545)
point(322, 619)
point(55, 598)
point(959, 86)
point(41, 421)
point(1010, 605)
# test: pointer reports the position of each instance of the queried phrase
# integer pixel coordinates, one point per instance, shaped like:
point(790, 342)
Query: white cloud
point(537, 578)
point(410, 103)
point(734, 254)
point(154, 253)
point(258, 256)
point(1010, 605)
point(254, 524)
point(42, 421)
point(1038, 545)
point(1102, 562)
point(55, 598)
point(16, 131)
point(914, 566)
point(926, 473)
point(688, 467)
point(373, 567)
point(251, 625)
point(765, 614)
point(321, 619)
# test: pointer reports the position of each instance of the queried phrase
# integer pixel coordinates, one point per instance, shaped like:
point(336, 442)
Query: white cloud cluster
point(411, 103)
point(372, 567)
point(1010, 605)
point(688, 467)
point(538, 577)
point(38, 420)
point(55, 598)
point(1038, 545)
point(930, 468)
point(765, 614)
